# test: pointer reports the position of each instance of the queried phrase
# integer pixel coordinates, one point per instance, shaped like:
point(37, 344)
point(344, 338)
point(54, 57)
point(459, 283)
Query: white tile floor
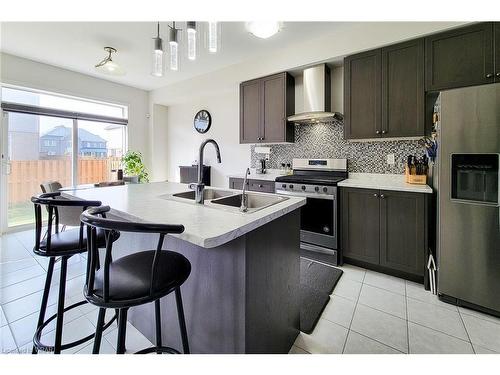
point(368, 312)
point(22, 278)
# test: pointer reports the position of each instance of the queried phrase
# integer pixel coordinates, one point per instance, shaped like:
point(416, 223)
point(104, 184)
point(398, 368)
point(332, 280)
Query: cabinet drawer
point(262, 186)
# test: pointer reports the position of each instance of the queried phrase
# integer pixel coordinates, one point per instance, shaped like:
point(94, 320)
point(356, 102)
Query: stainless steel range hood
point(317, 97)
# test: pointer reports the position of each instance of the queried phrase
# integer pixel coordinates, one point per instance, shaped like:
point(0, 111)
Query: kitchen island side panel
point(273, 285)
point(213, 297)
point(241, 297)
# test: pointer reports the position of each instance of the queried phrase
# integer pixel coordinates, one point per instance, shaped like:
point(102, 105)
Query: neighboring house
point(57, 142)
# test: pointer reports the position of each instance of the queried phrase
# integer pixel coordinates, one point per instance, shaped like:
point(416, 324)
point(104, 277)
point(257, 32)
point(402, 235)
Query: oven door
point(319, 221)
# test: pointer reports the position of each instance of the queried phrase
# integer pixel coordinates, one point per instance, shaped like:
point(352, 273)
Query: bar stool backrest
point(53, 201)
point(94, 219)
point(67, 215)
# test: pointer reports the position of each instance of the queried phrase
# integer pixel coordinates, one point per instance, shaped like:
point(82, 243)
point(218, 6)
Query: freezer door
point(469, 228)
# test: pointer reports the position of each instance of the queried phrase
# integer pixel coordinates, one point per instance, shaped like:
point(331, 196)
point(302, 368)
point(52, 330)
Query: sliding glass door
point(50, 143)
point(38, 150)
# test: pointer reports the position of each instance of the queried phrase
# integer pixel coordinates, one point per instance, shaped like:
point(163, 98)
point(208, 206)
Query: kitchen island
point(243, 292)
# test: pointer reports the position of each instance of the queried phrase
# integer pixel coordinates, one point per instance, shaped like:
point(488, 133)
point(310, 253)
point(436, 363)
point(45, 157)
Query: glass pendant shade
point(213, 37)
point(157, 58)
point(191, 40)
point(174, 48)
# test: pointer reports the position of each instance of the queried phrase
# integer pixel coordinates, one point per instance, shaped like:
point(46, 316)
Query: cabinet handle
point(383, 132)
point(375, 195)
point(261, 186)
point(489, 75)
point(498, 74)
point(382, 196)
point(378, 132)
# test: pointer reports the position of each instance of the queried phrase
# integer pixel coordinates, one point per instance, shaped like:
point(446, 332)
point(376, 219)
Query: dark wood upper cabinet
point(402, 231)
point(250, 111)
point(403, 91)
point(362, 95)
point(265, 104)
point(459, 58)
point(361, 224)
point(496, 26)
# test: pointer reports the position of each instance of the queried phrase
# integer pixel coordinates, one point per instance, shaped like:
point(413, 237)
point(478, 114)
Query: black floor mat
point(317, 282)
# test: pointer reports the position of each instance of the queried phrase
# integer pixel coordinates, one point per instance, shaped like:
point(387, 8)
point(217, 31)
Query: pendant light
point(157, 59)
point(212, 37)
point(191, 39)
point(174, 47)
point(108, 66)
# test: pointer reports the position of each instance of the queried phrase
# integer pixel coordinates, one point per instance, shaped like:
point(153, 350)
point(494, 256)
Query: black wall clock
point(202, 121)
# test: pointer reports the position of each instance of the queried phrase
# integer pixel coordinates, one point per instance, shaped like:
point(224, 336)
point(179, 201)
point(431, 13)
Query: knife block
point(416, 179)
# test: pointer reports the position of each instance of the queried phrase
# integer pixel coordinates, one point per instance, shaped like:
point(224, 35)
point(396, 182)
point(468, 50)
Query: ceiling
point(78, 46)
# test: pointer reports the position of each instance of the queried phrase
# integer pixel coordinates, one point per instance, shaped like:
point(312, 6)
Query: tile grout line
point(353, 312)
point(37, 291)
point(13, 337)
point(466, 331)
point(407, 320)
point(479, 317)
point(380, 342)
point(436, 330)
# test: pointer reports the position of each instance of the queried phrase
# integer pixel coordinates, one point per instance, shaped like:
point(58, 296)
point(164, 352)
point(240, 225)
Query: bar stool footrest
point(158, 349)
point(50, 348)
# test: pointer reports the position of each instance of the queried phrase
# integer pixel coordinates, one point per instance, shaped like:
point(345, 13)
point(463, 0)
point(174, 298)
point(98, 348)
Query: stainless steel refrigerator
point(468, 228)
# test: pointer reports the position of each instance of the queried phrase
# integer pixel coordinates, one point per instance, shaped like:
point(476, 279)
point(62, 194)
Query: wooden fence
point(27, 175)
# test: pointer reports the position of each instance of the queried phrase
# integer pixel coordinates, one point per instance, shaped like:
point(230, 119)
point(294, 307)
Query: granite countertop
point(204, 225)
point(380, 181)
point(269, 176)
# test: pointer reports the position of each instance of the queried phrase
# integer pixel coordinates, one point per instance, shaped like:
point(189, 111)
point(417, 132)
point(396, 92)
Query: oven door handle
point(305, 195)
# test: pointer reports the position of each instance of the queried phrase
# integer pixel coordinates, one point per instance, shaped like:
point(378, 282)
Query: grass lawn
point(20, 213)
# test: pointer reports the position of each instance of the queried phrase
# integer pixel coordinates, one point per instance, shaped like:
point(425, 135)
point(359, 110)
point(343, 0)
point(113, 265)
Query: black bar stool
point(132, 280)
point(61, 245)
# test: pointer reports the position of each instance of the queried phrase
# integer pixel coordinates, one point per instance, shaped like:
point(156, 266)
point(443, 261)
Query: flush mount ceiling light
point(108, 66)
point(157, 67)
point(263, 29)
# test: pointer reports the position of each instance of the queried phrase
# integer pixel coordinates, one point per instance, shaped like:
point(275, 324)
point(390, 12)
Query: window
point(62, 102)
point(41, 127)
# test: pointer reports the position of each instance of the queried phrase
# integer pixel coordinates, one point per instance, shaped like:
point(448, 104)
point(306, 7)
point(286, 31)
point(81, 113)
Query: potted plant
point(134, 167)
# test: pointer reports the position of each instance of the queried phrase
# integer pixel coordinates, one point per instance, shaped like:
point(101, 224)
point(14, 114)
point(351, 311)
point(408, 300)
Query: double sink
point(229, 200)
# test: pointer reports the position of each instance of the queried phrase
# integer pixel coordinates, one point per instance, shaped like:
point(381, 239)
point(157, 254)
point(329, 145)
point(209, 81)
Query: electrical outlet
point(390, 159)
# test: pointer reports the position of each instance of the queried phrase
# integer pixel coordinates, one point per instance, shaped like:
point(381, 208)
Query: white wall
point(27, 73)
point(158, 137)
point(218, 92)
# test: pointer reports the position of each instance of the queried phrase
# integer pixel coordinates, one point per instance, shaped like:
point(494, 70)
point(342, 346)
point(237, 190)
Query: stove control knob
point(303, 187)
point(283, 186)
point(291, 186)
point(325, 190)
point(316, 188)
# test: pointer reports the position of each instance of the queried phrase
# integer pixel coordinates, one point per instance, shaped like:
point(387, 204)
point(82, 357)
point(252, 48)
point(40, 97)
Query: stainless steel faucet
point(199, 187)
point(244, 197)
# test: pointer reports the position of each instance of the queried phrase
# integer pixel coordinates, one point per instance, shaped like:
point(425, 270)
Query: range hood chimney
point(317, 97)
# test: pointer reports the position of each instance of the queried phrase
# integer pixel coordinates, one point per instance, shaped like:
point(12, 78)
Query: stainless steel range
point(316, 179)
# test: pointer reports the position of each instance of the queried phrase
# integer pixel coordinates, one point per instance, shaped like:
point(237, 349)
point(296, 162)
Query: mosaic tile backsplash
point(327, 141)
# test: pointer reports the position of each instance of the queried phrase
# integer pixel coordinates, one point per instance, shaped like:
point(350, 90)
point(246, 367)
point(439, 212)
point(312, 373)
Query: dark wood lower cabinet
point(360, 224)
point(402, 231)
point(385, 231)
